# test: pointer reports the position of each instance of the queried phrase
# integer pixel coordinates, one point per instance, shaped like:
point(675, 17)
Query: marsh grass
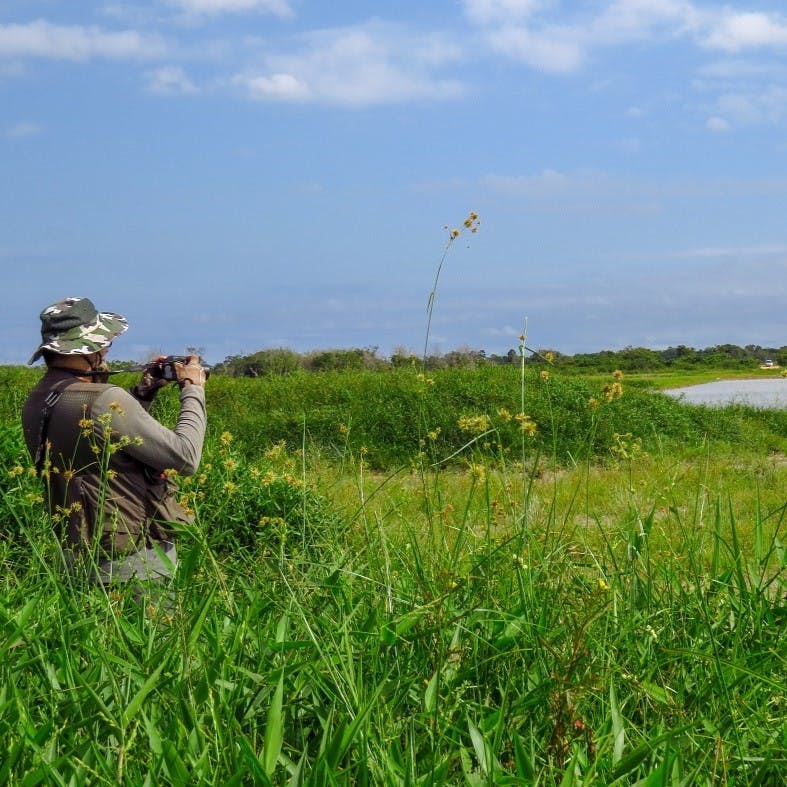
point(426, 636)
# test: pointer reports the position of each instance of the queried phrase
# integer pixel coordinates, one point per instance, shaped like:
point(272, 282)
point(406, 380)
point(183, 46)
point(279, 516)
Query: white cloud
point(754, 107)
point(733, 32)
point(276, 87)
point(22, 130)
point(544, 36)
point(632, 20)
point(718, 124)
point(215, 7)
point(74, 42)
point(170, 80)
point(359, 66)
point(553, 51)
point(736, 69)
point(486, 11)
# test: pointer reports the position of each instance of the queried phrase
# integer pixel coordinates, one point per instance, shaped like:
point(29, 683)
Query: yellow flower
point(275, 451)
point(477, 471)
point(474, 423)
point(344, 429)
point(504, 414)
point(617, 375)
point(16, 471)
point(544, 375)
point(526, 424)
point(116, 408)
point(171, 472)
point(612, 391)
point(229, 487)
point(603, 585)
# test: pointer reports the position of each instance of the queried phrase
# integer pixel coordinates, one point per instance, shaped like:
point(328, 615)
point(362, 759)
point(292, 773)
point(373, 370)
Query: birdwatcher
point(105, 462)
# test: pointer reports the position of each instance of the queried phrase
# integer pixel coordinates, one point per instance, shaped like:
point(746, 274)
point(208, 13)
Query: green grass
point(678, 378)
point(574, 607)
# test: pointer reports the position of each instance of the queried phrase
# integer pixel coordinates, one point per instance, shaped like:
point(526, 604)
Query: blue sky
point(243, 174)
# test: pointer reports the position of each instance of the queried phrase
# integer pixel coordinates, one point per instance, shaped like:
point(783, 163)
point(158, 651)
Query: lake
point(771, 393)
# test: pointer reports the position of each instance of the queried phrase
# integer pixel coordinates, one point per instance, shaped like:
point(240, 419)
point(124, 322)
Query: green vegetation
point(725, 359)
point(486, 575)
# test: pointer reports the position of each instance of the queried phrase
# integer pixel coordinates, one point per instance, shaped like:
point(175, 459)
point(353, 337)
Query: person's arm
point(157, 446)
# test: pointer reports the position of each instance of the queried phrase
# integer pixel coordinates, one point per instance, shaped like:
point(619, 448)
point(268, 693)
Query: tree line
point(282, 361)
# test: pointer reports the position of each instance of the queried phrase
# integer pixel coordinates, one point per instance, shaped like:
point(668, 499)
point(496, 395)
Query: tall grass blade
point(274, 729)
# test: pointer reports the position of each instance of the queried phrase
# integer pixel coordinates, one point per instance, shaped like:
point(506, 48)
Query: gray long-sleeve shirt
point(113, 491)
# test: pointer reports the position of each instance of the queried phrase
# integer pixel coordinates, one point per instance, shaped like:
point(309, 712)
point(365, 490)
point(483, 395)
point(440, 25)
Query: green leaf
point(139, 697)
point(252, 762)
point(430, 695)
point(524, 766)
point(656, 693)
point(618, 727)
point(274, 729)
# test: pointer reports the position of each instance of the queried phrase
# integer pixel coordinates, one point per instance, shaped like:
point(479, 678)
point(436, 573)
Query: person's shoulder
point(98, 388)
point(104, 395)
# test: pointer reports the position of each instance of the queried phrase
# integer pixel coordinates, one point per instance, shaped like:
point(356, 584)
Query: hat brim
point(84, 339)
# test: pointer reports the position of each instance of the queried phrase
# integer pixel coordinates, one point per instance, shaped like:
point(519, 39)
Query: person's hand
point(190, 372)
point(148, 386)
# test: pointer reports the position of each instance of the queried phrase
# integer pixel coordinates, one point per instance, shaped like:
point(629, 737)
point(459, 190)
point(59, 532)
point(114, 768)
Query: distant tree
point(340, 360)
point(402, 357)
point(632, 359)
point(274, 361)
point(464, 357)
point(679, 355)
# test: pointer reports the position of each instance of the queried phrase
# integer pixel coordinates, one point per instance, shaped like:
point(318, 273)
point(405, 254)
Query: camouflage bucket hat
point(73, 326)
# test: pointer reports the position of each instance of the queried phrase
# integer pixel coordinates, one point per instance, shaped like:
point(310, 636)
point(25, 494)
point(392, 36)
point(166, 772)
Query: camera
point(164, 368)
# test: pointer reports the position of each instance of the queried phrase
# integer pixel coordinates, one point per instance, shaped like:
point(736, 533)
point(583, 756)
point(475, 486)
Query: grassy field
point(679, 378)
point(475, 577)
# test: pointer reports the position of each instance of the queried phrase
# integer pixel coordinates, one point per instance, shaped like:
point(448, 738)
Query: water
point(770, 393)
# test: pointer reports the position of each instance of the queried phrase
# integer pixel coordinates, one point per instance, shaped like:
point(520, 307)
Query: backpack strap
point(46, 413)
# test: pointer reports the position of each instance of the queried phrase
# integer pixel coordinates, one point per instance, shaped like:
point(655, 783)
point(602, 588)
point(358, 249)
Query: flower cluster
point(627, 446)
point(470, 223)
point(526, 424)
point(475, 424)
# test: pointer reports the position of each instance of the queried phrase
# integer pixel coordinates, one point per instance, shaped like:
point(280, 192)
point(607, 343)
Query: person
point(105, 461)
